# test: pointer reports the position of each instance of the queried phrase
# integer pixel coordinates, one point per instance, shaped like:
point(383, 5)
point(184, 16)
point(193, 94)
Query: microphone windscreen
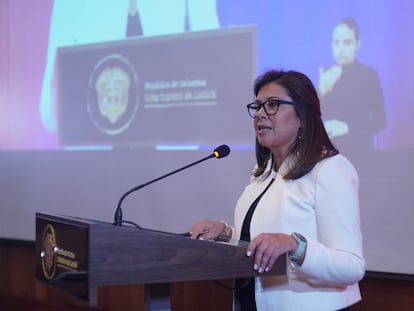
point(221, 151)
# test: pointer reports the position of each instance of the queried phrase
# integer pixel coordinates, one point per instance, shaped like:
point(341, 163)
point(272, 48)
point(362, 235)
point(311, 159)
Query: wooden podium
point(78, 256)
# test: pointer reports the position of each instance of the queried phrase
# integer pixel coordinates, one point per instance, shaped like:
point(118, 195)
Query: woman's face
point(344, 45)
point(276, 132)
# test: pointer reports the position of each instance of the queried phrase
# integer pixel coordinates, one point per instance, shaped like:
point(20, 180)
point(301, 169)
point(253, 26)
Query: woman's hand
point(267, 247)
point(207, 229)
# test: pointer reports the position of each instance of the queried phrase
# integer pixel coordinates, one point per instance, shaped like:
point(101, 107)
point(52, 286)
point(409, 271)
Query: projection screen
point(94, 102)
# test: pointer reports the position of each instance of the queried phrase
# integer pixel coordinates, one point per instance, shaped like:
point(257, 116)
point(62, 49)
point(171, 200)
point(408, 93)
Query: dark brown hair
point(312, 143)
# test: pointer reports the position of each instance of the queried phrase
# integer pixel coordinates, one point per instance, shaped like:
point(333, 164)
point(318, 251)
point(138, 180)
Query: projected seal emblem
point(113, 94)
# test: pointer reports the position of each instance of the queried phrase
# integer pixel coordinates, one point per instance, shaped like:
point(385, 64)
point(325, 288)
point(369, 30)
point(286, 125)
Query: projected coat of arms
point(113, 94)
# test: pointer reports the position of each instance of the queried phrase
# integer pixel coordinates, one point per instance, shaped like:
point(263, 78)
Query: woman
point(302, 200)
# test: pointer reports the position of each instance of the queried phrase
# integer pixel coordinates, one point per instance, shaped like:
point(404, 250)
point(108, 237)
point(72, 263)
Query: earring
point(299, 133)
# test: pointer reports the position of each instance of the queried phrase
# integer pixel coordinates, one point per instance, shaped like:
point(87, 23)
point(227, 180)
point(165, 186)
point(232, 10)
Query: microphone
point(220, 152)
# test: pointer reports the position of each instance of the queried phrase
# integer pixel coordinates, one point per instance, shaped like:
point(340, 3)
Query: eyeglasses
point(270, 106)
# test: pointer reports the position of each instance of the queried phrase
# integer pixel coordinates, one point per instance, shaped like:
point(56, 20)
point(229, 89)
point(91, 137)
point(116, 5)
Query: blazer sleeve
point(335, 257)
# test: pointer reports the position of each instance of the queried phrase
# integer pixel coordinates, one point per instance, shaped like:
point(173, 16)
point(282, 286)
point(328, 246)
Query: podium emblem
point(49, 252)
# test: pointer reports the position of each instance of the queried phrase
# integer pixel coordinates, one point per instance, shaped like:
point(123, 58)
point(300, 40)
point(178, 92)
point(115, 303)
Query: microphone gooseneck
point(220, 152)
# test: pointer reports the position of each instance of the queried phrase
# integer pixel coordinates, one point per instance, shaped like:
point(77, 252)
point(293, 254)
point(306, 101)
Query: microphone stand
point(118, 212)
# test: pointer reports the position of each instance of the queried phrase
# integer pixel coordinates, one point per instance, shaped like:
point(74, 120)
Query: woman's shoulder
point(335, 163)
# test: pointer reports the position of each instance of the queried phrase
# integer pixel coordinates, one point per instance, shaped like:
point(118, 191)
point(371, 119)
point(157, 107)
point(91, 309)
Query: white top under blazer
point(323, 206)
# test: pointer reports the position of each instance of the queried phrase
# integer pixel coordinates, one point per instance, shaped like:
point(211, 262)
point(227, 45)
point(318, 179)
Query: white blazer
point(323, 206)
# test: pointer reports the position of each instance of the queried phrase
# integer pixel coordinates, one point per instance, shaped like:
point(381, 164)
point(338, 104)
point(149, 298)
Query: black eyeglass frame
point(254, 107)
